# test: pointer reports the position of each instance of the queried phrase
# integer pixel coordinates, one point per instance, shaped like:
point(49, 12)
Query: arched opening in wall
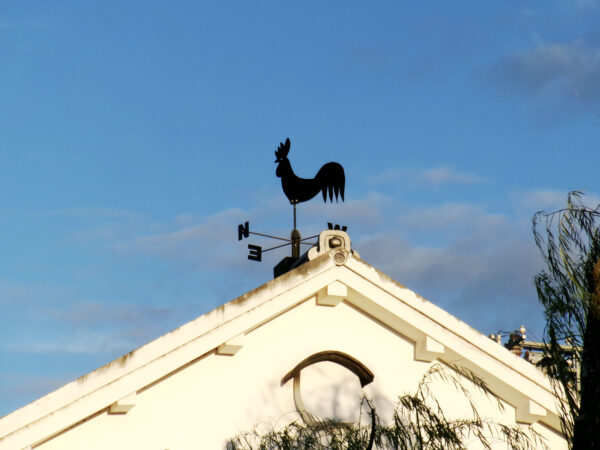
point(331, 391)
point(332, 384)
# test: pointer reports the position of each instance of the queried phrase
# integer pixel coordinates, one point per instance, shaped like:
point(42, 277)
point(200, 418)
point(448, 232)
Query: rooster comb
point(283, 150)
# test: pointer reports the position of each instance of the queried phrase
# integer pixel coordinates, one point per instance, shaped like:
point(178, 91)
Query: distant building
point(297, 347)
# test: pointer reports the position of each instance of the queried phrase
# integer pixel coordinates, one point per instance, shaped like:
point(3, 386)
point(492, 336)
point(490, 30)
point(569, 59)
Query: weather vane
point(330, 180)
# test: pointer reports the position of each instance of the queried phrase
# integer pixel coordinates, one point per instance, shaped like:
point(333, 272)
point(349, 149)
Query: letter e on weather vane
point(254, 252)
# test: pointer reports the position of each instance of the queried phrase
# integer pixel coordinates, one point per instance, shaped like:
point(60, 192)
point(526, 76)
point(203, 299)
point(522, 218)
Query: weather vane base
point(289, 262)
point(285, 265)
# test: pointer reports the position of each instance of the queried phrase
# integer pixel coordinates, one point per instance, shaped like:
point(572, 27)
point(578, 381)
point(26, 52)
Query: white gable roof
point(332, 274)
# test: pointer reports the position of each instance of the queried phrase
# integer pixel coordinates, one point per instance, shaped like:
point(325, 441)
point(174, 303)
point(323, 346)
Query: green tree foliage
point(569, 290)
point(418, 422)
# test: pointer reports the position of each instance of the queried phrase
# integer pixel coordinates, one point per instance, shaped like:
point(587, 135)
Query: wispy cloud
point(11, 293)
point(76, 342)
point(436, 176)
point(544, 199)
point(18, 388)
point(463, 256)
point(99, 213)
point(481, 270)
point(206, 242)
point(549, 200)
point(96, 327)
point(90, 314)
point(584, 5)
point(390, 175)
point(461, 217)
point(552, 69)
point(364, 213)
point(446, 175)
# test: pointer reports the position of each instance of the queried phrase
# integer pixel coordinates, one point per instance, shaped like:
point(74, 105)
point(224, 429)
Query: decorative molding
point(335, 241)
point(529, 412)
point(332, 294)
point(428, 349)
point(231, 347)
point(124, 405)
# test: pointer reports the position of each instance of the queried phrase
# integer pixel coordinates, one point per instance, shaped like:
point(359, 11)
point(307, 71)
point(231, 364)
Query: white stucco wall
point(217, 396)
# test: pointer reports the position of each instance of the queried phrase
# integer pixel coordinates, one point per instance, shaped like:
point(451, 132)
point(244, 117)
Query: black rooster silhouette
point(330, 178)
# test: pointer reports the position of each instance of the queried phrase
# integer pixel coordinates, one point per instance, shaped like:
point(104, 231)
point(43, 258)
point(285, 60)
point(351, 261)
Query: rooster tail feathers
point(331, 179)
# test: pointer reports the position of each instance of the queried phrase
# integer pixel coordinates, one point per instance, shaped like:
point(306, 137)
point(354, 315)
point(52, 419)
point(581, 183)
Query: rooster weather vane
point(330, 180)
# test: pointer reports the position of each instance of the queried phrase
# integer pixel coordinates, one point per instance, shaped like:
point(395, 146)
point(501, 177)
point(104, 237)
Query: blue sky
point(136, 135)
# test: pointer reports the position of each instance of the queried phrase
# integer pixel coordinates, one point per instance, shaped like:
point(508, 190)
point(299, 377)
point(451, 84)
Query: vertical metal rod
point(295, 236)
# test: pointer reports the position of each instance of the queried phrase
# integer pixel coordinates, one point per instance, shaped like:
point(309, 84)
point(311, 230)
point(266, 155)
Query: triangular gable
point(334, 273)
